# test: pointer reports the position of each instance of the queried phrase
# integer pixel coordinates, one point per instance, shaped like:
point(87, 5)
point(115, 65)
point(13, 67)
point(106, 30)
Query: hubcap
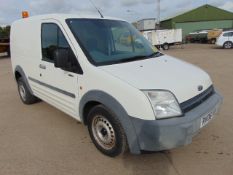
point(228, 45)
point(166, 47)
point(103, 132)
point(22, 92)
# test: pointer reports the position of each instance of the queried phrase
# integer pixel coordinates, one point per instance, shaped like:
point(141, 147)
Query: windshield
point(110, 41)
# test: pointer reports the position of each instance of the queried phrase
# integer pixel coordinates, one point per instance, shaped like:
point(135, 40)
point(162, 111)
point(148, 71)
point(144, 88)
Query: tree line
point(5, 32)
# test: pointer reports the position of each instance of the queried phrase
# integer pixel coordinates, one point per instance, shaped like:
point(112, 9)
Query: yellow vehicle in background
point(213, 35)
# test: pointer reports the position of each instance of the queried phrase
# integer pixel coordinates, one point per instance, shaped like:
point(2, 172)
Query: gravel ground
point(41, 140)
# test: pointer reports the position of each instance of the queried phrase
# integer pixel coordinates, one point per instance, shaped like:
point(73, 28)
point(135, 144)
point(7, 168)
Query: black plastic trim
point(52, 87)
point(197, 100)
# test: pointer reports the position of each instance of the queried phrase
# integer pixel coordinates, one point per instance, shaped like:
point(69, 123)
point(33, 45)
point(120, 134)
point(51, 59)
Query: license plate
point(205, 120)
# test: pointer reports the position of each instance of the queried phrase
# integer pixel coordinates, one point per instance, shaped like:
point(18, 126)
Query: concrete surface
point(41, 140)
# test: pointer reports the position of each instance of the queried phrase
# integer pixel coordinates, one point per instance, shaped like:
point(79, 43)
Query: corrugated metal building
point(201, 18)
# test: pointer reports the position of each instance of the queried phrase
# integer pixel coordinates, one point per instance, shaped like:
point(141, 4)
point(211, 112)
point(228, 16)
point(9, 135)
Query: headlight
point(164, 104)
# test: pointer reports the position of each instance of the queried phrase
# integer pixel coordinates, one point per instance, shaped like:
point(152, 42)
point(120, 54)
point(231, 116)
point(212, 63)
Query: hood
point(164, 72)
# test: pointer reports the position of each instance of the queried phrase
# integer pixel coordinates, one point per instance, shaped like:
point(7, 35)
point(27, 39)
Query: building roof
point(147, 19)
point(203, 13)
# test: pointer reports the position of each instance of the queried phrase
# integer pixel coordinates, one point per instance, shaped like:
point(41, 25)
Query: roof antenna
point(96, 9)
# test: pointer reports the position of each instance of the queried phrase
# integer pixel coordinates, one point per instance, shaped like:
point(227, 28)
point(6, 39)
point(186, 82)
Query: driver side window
point(49, 41)
point(52, 39)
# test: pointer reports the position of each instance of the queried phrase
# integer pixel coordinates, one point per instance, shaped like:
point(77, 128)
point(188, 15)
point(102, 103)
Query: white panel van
point(128, 94)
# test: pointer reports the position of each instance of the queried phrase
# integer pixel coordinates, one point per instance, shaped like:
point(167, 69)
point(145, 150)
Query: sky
point(130, 10)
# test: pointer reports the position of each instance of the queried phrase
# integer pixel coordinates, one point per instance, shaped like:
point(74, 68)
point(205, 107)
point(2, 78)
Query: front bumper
point(166, 134)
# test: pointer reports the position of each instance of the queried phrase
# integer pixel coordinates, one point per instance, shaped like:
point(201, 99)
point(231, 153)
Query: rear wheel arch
point(19, 72)
point(24, 92)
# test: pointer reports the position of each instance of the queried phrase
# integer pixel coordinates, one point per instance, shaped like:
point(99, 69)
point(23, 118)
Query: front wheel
point(106, 131)
point(228, 45)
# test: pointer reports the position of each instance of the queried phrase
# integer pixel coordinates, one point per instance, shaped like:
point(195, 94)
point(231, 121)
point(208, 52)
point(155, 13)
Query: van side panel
point(25, 46)
point(27, 54)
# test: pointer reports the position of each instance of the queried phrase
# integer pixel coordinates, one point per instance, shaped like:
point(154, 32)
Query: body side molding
point(52, 87)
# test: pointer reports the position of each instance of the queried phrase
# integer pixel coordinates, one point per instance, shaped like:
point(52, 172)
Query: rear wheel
point(8, 52)
point(24, 93)
point(228, 45)
point(106, 131)
point(166, 46)
point(213, 41)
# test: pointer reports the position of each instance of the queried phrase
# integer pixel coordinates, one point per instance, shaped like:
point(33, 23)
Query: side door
point(58, 87)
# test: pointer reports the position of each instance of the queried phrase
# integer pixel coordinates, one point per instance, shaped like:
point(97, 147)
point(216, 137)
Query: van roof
point(60, 16)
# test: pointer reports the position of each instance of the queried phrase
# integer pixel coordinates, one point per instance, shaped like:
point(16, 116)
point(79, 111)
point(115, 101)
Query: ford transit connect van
point(128, 94)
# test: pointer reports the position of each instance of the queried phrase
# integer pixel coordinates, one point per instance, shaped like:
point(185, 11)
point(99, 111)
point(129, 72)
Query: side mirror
point(66, 60)
point(61, 58)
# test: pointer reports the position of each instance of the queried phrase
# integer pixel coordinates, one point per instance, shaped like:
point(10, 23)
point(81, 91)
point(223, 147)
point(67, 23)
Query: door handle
point(42, 66)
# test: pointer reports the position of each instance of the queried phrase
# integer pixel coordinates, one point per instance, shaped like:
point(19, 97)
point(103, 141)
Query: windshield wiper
point(140, 57)
point(155, 54)
point(135, 58)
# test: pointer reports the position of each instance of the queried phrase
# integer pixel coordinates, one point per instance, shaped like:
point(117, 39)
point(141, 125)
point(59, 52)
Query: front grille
point(197, 100)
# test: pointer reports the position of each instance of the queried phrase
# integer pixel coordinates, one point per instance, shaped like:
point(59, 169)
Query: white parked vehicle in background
point(164, 38)
point(128, 93)
point(225, 40)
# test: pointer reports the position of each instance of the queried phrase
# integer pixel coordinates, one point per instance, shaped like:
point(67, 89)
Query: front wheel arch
point(87, 108)
point(99, 97)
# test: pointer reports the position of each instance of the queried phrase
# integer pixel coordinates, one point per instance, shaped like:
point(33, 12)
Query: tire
point(25, 94)
point(106, 131)
point(166, 46)
point(228, 45)
point(8, 52)
point(213, 41)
